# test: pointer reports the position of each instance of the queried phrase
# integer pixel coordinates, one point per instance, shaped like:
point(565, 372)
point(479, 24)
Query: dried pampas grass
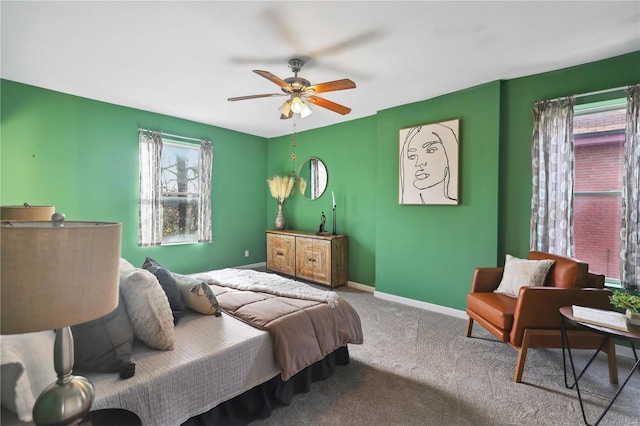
point(281, 187)
point(302, 184)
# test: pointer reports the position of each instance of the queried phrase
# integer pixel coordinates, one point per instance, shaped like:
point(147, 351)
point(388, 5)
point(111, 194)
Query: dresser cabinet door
point(281, 253)
point(313, 260)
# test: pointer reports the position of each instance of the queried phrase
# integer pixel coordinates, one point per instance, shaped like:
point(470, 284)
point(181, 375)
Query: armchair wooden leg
point(469, 327)
point(522, 357)
point(611, 360)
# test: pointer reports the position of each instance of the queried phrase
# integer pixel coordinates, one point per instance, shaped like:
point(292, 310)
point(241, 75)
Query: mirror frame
point(326, 181)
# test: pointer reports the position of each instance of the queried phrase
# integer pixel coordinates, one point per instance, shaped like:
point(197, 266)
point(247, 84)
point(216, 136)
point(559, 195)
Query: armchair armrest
point(485, 280)
point(538, 307)
point(595, 280)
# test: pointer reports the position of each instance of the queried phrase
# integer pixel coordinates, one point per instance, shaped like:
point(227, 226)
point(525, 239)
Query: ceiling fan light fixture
point(285, 108)
point(306, 111)
point(296, 104)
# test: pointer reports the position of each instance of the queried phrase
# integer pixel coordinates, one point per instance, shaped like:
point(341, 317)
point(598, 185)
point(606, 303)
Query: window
point(175, 191)
point(180, 193)
point(599, 135)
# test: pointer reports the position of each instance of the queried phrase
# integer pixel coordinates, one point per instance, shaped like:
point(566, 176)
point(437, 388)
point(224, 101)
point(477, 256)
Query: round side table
point(632, 336)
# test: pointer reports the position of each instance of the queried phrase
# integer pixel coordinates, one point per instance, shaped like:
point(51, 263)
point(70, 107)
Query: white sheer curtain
point(150, 216)
point(553, 162)
point(204, 208)
point(630, 228)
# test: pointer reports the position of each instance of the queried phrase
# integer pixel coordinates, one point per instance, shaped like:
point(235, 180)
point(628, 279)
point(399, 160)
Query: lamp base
point(69, 399)
point(64, 404)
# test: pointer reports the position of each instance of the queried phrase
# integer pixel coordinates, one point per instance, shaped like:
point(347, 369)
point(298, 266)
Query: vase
point(633, 318)
point(281, 221)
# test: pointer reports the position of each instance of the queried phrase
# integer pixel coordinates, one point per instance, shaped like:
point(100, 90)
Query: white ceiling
point(185, 59)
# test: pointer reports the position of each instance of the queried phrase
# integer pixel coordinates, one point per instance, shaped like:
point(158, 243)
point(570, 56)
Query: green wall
point(349, 152)
point(423, 250)
point(82, 156)
point(409, 251)
point(428, 253)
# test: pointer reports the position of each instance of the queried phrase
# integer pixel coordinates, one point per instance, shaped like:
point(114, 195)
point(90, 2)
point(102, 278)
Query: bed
point(229, 369)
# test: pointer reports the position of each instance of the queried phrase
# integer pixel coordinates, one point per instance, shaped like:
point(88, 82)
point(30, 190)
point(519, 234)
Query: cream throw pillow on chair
point(522, 273)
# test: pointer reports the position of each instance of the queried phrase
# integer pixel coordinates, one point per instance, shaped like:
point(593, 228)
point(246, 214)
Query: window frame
point(182, 145)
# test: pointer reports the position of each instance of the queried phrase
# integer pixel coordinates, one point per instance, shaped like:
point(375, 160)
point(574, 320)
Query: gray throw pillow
point(104, 344)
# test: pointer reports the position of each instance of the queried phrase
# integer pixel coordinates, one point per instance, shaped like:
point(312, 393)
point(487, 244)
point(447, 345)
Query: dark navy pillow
point(169, 285)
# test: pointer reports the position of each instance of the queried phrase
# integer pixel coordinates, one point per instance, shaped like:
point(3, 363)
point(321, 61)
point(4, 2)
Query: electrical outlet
point(246, 253)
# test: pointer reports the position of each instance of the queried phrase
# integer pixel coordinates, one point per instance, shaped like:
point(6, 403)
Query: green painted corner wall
point(417, 251)
point(409, 251)
point(421, 250)
point(81, 155)
point(348, 150)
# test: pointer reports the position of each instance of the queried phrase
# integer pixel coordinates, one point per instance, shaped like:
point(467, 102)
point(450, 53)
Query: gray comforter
point(303, 331)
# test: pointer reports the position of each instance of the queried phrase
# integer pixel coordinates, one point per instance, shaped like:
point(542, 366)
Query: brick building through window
point(599, 158)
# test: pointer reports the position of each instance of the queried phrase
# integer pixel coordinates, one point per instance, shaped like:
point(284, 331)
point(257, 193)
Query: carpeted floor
point(417, 368)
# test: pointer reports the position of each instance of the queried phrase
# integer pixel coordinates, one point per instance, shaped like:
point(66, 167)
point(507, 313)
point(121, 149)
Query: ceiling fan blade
point(351, 43)
point(242, 98)
point(331, 86)
point(340, 109)
point(282, 24)
point(277, 80)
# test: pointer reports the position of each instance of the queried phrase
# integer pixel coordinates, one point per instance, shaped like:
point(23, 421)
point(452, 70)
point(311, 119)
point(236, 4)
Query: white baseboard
point(361, 287)
point(422, 305)
point(253, 266)
point(624, 351)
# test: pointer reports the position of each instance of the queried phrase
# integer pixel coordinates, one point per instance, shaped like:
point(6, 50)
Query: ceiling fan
point(300, 91)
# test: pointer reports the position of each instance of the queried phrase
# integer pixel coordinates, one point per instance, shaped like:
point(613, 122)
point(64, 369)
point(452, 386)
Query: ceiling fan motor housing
point(295, 65)
point(298, 84)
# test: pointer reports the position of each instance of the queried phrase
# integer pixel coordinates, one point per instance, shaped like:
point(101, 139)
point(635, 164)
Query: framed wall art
point(428, 166)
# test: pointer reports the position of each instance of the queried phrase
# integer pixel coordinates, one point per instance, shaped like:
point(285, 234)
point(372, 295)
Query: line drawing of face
point(425, 166)
point(430, 159)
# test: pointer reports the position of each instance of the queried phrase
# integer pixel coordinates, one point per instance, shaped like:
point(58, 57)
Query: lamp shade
point(305, 111)
point(57, 275)
point(27, 212)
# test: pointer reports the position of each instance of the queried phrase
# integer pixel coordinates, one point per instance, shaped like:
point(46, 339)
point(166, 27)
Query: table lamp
point(54, 275)
point(26, 212)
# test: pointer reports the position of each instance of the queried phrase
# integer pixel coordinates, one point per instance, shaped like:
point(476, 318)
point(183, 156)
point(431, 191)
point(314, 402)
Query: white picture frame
point(428, 164)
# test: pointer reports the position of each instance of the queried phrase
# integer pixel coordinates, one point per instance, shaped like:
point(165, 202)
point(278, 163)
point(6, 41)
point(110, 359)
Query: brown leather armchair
point(532, 320)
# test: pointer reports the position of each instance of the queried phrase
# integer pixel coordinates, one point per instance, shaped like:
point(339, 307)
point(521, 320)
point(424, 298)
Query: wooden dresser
point(318, 258)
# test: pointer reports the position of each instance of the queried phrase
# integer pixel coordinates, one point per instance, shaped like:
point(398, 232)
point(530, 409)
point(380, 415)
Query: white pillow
point(522, 273)
point(26, 370)
point(148, 308)
point(125, 265)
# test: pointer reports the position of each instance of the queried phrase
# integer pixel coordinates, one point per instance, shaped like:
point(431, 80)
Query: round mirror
point(312, 178)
